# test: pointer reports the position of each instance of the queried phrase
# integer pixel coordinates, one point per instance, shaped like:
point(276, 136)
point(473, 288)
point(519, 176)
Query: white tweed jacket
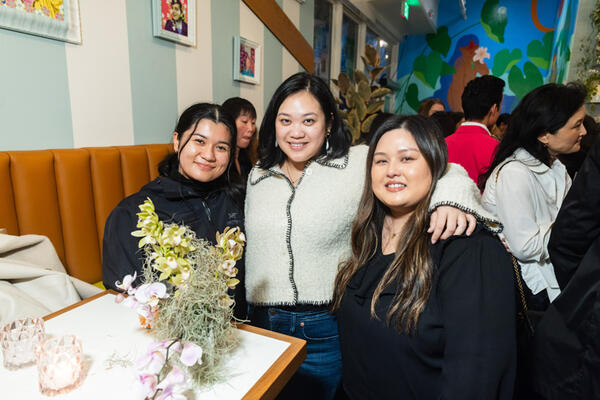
point(298, 236)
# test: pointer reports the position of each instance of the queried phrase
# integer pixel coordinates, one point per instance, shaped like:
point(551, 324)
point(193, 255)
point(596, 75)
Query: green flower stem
point(466, 29)
point(164, 367)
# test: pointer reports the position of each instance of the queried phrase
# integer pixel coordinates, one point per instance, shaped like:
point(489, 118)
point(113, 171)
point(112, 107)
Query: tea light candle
point(60, 364)
point(19, 339)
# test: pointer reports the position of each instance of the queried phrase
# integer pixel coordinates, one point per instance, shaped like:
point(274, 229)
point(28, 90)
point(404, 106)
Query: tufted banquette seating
point(67, 194)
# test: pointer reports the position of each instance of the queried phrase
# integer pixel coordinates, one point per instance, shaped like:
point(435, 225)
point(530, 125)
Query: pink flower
point(174, 377)
point(46, 11)
point(480, 54)
point(146, 385)
point(191, 354)
point(151, 293)
point(11, 3)
point(60, 17)
point(126, 286)
point(152, 362)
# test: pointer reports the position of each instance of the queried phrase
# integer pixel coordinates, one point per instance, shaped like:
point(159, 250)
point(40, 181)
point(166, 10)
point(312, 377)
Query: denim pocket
point(322, 328)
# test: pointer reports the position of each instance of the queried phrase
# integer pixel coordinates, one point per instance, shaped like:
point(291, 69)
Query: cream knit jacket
point(298, 236)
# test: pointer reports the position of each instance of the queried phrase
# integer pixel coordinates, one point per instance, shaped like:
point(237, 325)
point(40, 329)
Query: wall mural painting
point(506, 40)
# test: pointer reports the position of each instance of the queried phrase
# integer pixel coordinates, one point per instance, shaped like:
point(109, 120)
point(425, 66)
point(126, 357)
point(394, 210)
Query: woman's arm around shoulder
point(476, 295)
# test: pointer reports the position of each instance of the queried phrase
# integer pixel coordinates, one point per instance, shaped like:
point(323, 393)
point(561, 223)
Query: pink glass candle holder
point(19, 339)
point(60, 364)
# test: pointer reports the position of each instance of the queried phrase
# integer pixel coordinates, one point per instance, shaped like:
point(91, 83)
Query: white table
point(258, 368)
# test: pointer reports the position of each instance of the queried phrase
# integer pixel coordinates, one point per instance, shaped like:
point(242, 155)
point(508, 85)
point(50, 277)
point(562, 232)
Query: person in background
point(416, 320)
point(573, 161)
point(244, 115)
point(431, 106)
point(526, 183)
point(198, 186)
point(472, 145)
point(500, 126)
point(301, 199)
point(447, 121)
point(565, 346)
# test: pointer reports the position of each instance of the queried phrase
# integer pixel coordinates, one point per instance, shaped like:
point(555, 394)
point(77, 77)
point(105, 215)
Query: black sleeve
point(476, 295)
point(120, 253)
point(577, 224)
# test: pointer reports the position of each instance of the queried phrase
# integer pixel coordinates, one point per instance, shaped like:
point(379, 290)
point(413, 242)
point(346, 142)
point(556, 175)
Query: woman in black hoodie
point(198, 186)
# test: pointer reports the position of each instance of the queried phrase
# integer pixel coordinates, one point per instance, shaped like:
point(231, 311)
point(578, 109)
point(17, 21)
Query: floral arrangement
point(184, 301)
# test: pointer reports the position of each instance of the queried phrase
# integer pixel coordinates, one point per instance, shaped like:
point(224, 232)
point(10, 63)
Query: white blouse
point(526, 195)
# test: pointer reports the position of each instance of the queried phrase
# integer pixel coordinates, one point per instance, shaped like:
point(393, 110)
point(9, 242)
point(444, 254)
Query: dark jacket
point(175, 201)
point(465, 343)
point(567, 340)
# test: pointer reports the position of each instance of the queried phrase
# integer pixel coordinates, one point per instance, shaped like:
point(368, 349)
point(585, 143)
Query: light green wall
point(153, 77)
point(272, 69)
point(35, 109)
point(225, 18)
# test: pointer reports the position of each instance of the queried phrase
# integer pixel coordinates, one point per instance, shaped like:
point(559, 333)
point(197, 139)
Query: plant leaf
point(494, 19)
point(439, 41)
point(375, 72)
point(364, 90)
point(361, 107)
point(539, 53)
point(344, 83)
point(365, 61)
point(371, 55)
point(412, 96)
point(504, 60)
point(520, 83)
point(352, 119)
point(360, 76)
point(447, 69)
point(366, 125)
point(375, 107)
point(428, 68)
point(380, 92)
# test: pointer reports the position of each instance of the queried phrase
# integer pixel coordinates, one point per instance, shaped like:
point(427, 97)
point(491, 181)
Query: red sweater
point(473, 148)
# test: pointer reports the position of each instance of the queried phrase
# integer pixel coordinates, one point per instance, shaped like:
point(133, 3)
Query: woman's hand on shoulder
point(448, 221)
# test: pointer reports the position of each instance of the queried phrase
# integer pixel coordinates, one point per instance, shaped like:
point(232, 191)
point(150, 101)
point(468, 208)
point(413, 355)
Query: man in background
point(472, 145)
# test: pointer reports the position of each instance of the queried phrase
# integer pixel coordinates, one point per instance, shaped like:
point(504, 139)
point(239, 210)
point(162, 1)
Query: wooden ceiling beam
point(269, 12)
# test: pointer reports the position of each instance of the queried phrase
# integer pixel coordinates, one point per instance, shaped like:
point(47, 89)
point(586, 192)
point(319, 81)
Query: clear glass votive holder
point(60, 364)
point(19, 340)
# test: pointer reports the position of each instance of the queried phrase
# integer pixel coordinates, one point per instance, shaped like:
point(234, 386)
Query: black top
point(464, 346)
point(245, 164)
point(176, 200)
point(566, 346)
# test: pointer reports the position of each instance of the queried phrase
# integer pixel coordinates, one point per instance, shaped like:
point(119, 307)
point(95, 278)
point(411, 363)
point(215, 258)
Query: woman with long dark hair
point(301, 199)
point(244, 115)
point(198, 186)
point(416, 320)
point(526, 183)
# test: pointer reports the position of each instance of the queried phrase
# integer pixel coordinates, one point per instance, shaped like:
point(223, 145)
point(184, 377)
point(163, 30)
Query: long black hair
point(339, 139)
point(544, 109)
point(230, 180)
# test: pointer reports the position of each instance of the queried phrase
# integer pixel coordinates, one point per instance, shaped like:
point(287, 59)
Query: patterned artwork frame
point(175, 20)
point(247, 60)
point(53, 19)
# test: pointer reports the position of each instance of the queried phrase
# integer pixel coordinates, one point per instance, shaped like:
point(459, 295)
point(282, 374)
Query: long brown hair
point(411, 272)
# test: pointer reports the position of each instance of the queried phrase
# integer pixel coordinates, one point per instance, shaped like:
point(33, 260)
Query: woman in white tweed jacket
point(301, 200)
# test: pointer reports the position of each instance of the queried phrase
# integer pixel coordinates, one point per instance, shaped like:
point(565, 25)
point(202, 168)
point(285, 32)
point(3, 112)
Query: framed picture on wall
point(54, 19)
point(175, 20)
point(247, 60)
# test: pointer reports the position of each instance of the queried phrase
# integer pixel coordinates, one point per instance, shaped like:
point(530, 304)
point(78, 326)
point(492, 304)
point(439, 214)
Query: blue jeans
point(320, 374)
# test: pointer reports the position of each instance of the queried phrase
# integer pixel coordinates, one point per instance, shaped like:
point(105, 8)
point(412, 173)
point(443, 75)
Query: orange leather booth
point(67, 194)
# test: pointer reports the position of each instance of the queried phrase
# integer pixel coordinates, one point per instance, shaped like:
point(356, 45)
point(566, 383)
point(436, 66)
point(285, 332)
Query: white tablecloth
point(108, 329)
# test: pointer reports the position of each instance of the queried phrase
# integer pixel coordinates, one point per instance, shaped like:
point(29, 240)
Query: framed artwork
point(247, 57)
point(175, 20)
point(54, 19)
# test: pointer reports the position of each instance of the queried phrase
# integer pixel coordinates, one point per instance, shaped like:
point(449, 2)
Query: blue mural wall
point(525, 43)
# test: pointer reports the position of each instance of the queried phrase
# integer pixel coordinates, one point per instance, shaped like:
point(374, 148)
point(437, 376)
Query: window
point(322, 38)
point(349, 34)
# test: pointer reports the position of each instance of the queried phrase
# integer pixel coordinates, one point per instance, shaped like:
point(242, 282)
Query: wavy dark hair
point(545, 109)
point(411, 272)
point(230, 181)
point(480, 95)
point(339, 138)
